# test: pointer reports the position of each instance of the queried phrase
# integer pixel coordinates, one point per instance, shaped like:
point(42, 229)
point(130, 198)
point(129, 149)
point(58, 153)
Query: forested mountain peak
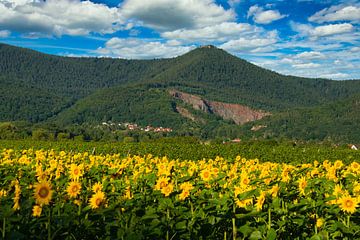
point(38, 87)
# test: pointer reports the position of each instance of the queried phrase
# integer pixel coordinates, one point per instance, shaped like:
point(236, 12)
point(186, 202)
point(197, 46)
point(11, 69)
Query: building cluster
point(134, 126)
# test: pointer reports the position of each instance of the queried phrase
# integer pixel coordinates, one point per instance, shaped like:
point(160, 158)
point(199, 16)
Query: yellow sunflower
point(161, 183)
point(205, 175)
point(320, 222)
point(73, 189)
point(168, 189)
point(302, 185)
point(76, 171)
point(184, 194)
point(96, 200)
point(36, 211)
point(260, 201)
point(43, 193)
point(348, 204)
point(186, 186)
point(97, 187)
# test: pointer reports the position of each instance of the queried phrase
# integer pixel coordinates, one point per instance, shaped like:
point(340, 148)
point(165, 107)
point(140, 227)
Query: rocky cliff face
point(240, 114)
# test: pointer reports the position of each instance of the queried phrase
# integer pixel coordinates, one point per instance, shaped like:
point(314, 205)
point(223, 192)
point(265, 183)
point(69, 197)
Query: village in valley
point(135, 127)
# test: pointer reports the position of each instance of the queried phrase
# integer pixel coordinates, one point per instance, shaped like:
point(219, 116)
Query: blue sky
point(298, 37)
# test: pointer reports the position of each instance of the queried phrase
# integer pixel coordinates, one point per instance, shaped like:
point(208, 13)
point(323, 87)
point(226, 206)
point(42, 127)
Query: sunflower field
point(48, 194)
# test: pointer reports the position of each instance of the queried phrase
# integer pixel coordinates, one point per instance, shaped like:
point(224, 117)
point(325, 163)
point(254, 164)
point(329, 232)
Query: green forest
point(52, 97)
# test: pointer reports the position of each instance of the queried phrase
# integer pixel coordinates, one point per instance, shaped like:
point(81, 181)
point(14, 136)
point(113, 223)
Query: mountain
point(38, 88)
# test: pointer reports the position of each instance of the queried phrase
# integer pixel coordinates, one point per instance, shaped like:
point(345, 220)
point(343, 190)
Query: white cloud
point(332, 29)
point(262, 16)
point(242, 44)
point(233, 3)
point(310, 55)
point(306, 65)
point(142, 49)
point(218, 32)
point(321, 31)
point(338, 75)
point(5, 33)
point(337, 13)
point(58, 17)
point(169, 15)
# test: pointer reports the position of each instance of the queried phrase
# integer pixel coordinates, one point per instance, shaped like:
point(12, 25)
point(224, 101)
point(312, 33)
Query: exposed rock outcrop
point(186, 113)
point(238, 113)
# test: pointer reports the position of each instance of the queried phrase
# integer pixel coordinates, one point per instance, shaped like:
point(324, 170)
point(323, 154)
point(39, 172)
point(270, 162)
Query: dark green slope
point(217, 75)
point(37, 87)
point(338, 121)
point(124, 104)
point(45, 83)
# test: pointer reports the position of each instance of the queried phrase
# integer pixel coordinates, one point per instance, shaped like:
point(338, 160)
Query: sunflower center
point(348, 203)
point(76, 171)
point(75, 188)
point(43, 192)
point(162, 184)
point(206, 174)
point(98, 202)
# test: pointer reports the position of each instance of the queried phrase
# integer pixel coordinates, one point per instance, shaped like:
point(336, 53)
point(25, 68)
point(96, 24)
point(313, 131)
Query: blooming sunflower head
point(168, 189)
point(161, 183)
point(348, 204)
point(97, 187)
point(205, 175)
point(76, 171)
point(97, 199)
point(43, 193)
point(36, 211)
point(184, 194)
point(73, 189)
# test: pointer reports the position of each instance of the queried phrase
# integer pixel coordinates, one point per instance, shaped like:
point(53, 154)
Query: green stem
point(224, 235)
point(168, 218)
point(49, 225)
point(269, 218)
point(4, 228)
point(234, 223)
point(348, 221)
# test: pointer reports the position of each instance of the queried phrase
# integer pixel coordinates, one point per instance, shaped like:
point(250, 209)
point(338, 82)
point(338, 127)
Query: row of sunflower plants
point(47, 194)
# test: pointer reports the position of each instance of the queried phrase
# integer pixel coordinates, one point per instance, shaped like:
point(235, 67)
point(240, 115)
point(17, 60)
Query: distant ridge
point(38, 88)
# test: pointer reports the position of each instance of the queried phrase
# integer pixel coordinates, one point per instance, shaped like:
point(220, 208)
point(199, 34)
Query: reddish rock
point(238, 113)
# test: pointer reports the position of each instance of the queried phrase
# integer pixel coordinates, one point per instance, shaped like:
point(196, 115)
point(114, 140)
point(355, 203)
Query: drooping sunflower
point(260, 201)
point(96, 200)
point(43, 193)
point(73, 189)
point(36, 211)
point(302, 185)
point(348, 204)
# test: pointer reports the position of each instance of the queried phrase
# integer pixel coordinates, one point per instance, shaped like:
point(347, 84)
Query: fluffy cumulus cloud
point(166, 15)
point(4, 33)
point(255, 44)
point(262, 16)
point(337, 13)
point(142, 48)
point(310, 55)
point(219, 32)
point(322, 31)
point(306, 65)
point(58, 17)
